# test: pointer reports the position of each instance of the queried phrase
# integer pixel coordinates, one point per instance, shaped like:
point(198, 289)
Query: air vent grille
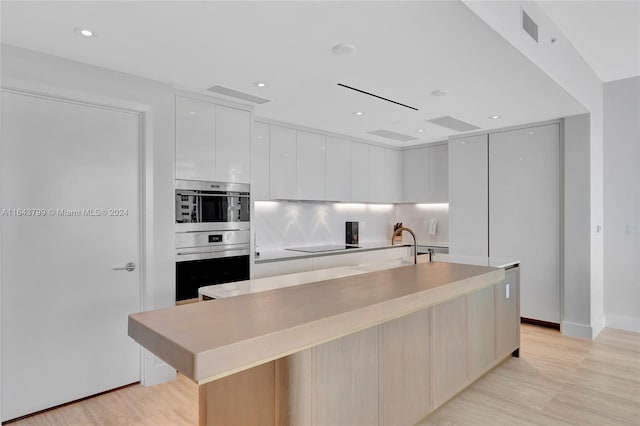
point(392, 135)
point(237, 94)
point(453, 123)
point(529, 26)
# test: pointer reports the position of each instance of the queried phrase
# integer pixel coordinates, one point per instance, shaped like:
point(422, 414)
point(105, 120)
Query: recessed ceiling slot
point(453, 123)
point(377, 96)
point(392, 135)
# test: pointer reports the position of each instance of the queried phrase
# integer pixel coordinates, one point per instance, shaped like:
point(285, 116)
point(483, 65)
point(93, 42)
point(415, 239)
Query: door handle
point(129, 267)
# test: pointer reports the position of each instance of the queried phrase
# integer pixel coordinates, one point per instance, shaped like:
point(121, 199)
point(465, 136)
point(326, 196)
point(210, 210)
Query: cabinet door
point(359, 172)
point(233, 145)
point(392, 175)
point(260, 162)
point(481, 331)
point(449, 348)
point(439, 174)
point(416, 175)
point(524, 214)
point(311, 166)
point(195, 139)
point(377, 176)
point(338, 169)
point(404, 376)
point(272, 269)
point(345, 380)
point(507, 314)
point(282, 163)
point(469, 193)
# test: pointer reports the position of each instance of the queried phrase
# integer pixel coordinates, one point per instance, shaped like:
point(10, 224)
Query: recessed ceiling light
point(84, 32)
point(343, 49)
point(358, 113)
point(493, 117)
point(260, 84)
point(439, 92)
point(420, 130)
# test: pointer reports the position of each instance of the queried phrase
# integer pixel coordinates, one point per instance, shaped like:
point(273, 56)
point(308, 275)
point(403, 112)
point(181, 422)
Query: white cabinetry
point(416, 175)
point(439, 174)
point(282, 163)
point(311, 166)
point(377, 174)
point(393, 175)
point(213, 142)
point(359, 171)
point(260, 162)
point(338, 169)
point(195, 139)
point(233, 145)
point(469, 196)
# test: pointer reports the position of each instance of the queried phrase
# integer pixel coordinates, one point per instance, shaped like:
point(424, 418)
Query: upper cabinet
point(393, 175)
point(377, 175)
point(310, 166)
point(359, 172)
point(282, 164)
point(195, 139)
point(233, 145)
point(338, 169)
point(426, 174)
point(213, 142)
point(260, 162)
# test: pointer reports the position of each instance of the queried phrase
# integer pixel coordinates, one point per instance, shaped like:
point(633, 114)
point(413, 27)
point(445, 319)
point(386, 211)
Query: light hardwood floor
point(556, 381)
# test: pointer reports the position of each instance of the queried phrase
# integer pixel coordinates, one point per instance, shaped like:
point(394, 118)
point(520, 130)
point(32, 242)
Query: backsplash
point(280, 224)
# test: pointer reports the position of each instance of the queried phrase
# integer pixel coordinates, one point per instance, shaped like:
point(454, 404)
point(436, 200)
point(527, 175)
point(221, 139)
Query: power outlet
point(633, 229)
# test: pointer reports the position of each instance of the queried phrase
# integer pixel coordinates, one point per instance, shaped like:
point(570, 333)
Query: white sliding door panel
point(524, 219)
point(64, 307)
point(468, 196)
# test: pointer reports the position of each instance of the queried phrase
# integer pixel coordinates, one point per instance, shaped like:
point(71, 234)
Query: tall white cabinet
point(505, 202)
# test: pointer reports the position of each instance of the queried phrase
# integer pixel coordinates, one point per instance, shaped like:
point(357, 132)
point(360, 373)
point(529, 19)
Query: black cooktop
point(320, 249)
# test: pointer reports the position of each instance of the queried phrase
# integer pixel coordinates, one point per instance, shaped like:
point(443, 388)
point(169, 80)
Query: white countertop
point(279, 255)
point(238, 288)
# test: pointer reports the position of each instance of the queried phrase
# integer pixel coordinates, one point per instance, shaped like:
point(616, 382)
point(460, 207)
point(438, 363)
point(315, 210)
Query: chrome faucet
point(415, 243)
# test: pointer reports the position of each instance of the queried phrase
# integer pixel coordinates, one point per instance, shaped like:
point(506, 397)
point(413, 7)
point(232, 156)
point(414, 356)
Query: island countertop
point(210, 340)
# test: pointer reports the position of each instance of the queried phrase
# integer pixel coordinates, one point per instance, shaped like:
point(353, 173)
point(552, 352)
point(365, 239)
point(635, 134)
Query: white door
point(64, 306)
point(524, 218)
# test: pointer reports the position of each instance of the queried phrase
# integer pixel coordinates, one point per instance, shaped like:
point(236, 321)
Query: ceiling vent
point(392, 135)
point(377, 96)
point(453, 123)
point(529, 26)
point(221, 90)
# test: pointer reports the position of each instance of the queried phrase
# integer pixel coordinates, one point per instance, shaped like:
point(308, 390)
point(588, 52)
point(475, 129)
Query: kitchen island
point(375, 348)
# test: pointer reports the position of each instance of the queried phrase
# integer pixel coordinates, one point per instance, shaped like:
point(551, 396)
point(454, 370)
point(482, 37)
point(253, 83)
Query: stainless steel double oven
point(212, 235)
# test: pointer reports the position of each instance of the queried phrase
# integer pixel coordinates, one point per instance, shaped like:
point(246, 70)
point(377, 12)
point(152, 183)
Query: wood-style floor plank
point(556, 381)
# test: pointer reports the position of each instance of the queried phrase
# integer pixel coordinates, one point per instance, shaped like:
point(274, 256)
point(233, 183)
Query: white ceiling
point(404, 51)
point(605, 33)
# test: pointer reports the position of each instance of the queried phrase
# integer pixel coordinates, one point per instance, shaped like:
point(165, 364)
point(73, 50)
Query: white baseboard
point(572, 329)
point(623, 323)
point(155, 371)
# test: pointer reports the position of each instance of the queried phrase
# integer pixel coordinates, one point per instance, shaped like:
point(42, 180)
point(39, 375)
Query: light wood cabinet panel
point(507, 314)
point(468, 205)
point(345, 380)
point(377, 175)
point(282, 163)
point(439, 174)
point(294, 389)
point(393, 176)
point(311, 166)
point(338, 169)
point(481, 332)
point(260, 162)
point(195, 139)
point(359, 172)
point(449, 348)
point(233, 145)
point(404, 377)
point(415, 164)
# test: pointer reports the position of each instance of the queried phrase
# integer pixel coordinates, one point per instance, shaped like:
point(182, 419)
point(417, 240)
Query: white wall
point(562, 63)
point(43, 72)
point(622, 204)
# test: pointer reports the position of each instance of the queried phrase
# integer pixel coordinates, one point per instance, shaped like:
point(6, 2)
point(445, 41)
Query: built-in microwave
point(207, 206)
